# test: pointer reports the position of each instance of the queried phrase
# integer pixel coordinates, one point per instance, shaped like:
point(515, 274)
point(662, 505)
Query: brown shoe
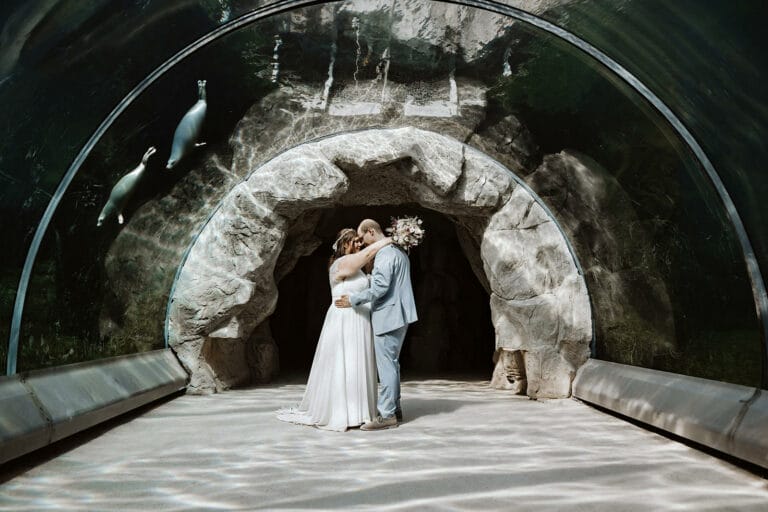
point(380, 423)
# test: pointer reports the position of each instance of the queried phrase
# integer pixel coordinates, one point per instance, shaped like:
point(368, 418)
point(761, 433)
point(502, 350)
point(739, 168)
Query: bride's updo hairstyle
point(344, 236)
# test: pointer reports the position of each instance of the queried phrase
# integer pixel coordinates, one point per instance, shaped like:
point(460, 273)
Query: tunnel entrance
point(227, 287)
point(454, 336)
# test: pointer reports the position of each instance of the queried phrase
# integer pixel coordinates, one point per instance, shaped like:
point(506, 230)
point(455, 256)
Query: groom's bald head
point(370, 231)
point(369, 224)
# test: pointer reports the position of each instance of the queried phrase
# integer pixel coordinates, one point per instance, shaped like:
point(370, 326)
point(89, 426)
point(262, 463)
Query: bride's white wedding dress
point(341, 389)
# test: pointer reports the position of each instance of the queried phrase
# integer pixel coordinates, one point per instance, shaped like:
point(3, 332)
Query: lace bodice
point(357, 282)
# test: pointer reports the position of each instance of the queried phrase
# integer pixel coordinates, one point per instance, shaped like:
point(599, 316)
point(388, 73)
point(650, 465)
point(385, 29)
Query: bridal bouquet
point(406, 232)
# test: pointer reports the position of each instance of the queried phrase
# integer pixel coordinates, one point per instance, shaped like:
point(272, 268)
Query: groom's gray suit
point(392, 310)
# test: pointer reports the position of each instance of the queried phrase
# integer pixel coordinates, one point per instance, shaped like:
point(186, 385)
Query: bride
point(341, 390)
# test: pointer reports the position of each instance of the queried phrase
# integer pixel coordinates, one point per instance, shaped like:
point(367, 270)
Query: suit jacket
point(390, 293)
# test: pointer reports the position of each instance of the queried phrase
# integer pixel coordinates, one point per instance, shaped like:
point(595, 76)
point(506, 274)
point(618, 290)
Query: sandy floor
point(462, 447)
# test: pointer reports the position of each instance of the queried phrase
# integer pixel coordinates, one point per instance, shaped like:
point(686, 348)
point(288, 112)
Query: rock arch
point(226, 287)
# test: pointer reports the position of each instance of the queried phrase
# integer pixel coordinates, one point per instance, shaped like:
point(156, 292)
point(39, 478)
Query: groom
point(392, 309)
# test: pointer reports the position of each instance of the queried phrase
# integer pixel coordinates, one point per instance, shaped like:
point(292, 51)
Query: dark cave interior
point(454, 335)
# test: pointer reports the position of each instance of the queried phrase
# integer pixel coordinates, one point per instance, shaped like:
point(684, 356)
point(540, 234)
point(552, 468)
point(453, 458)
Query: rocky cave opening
point(454, 336)
point(227, 289)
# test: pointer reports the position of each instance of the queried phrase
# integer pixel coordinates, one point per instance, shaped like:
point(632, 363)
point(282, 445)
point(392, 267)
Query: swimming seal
point(188, 130)
point(123, 190)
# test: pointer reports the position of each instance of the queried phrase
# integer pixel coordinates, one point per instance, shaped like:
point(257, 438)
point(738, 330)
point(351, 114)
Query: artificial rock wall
point(226, 288)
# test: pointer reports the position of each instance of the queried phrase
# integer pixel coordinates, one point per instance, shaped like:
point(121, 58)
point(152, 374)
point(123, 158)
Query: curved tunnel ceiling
point(278, 7)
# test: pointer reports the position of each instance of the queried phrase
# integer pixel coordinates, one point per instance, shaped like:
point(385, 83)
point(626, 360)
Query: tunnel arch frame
point(760, 295)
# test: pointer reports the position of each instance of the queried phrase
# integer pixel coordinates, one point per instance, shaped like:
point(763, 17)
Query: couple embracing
point(363, 332)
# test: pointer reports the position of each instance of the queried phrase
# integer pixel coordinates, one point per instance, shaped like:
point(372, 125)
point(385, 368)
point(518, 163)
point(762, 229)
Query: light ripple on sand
point(462, 447)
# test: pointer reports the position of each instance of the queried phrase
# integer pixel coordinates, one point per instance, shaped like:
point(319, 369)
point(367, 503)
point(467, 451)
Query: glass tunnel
point(637, 128)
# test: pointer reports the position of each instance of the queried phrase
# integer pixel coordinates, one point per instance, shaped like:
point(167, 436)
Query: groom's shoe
point(380, 423)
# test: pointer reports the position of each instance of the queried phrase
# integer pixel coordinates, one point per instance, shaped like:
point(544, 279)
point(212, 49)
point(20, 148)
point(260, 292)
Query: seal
point(123, 190)
point(188, 130)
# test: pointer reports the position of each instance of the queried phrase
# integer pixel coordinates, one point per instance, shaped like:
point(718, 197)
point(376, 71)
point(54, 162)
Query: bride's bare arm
point(351, 263)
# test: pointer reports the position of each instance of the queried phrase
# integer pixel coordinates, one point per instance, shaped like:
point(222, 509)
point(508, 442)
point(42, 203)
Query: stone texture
point(533, 304)
point(298, 180)
point(509, 372)
point(549, 373)
point(452, 27)
point(523, 251)
point(537, 328)
point(262, 354)
point(286, 117)
point(470, 245)
point(300, 241)
point(485, 184)
point(227, 288)
point(629, 295)
point(510, 142)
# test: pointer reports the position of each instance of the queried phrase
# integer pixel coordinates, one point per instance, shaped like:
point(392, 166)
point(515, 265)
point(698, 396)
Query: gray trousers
point(387, 347)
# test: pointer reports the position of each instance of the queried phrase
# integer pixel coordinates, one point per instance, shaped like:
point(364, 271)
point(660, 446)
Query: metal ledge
point(40, 407)
point(730, 418)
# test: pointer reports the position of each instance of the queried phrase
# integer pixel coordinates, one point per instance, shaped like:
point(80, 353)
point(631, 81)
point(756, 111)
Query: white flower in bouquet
point(406, 232)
